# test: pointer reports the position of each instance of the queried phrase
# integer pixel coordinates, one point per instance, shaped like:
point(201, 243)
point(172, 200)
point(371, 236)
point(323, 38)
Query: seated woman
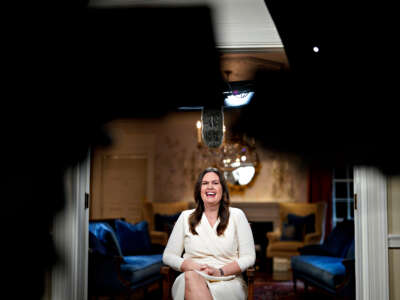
point(217, 241)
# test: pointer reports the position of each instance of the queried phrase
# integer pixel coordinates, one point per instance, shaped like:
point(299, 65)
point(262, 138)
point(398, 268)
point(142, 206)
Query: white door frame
point(371, 237)
point(69, 278)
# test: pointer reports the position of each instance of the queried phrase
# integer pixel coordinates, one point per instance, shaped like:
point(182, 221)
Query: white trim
point(70, 231)
point(371, 238)
point(232, 46)
point(394, 240)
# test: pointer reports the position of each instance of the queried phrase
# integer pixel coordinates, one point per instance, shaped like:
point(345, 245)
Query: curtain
point(320, 189)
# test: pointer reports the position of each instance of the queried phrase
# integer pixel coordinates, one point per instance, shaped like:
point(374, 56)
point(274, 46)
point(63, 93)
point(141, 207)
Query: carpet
point(283, 290)
point(276, 290)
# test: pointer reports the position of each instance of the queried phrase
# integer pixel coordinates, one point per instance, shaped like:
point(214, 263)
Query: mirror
point(237, 158)
point(240, 162)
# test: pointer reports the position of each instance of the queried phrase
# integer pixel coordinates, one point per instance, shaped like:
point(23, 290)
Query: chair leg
point(167, 282)
point(295, 284)
point(250, 283)
point(145, 292)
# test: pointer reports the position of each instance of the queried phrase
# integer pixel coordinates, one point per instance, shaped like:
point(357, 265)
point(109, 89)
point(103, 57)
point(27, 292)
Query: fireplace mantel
point(260, 211)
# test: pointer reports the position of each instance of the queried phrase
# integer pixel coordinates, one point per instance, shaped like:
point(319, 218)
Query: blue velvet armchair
point(121, 258)
point(330, 266)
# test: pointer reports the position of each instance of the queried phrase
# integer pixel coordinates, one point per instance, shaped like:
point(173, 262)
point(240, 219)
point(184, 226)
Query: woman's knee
point(191, 276)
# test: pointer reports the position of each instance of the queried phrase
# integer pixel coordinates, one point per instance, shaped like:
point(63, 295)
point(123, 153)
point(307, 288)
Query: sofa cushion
point(291, 232)
point(139, 267)
point(134, 239)
point(340, 239)
point(350, 251)
point(307, 221)
point(325, 269)
point(102, 239)
point(165, 222)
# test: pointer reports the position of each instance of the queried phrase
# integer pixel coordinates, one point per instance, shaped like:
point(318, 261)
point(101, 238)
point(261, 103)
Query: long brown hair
point(223, 211)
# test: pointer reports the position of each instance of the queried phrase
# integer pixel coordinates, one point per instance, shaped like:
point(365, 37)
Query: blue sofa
point(121, 258)
point(330, 266)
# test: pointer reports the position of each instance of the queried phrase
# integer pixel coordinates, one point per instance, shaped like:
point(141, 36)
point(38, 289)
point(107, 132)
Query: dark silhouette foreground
point(67, 71)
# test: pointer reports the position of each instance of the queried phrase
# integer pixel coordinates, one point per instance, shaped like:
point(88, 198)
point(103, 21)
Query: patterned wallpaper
point(177, 161)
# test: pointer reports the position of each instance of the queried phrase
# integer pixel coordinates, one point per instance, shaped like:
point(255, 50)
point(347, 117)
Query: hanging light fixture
point(236, 157)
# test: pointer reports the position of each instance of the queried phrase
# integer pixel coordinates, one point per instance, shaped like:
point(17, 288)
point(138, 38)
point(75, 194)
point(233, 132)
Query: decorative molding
point(248, 46)
point(252, 50)
point(394, 241)
point(371, 242)
point(260, 211)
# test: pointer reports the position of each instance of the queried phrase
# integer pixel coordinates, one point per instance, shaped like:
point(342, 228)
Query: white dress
point(236, 244)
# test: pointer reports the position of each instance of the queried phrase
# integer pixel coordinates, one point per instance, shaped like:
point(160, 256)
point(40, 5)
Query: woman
point(217, 241)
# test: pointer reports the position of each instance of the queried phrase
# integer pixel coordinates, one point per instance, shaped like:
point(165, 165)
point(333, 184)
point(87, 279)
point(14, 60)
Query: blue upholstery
point(321, 265)
point(297, 226)
point(350, 252)
point(140, 267)
point(337, 243)
point(326, 269)
point(105, 269)
point(106, 242)
point(307, 221)
point(134, 239)
point(103, 275)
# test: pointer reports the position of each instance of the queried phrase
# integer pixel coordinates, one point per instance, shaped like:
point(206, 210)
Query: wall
point(281, 178)
point(394, 229)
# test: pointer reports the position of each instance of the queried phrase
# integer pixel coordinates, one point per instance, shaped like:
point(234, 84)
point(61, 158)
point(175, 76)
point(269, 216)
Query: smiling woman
point(211, 190)
point(217, 242)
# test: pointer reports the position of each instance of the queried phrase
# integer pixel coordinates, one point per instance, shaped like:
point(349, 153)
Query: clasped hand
point(189, 264)
point(210, 270)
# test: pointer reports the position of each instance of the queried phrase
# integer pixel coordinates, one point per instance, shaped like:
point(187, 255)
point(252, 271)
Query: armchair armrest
point(103, 267)
point(159, 237)
point(118, 260)
point(312, 238)
point(349, 276)
point(273, 236)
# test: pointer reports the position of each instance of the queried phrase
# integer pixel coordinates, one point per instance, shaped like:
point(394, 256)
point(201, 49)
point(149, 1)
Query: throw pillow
point(165, 222)
point(307, 221)
point(102, 239)
point(292, 232)
point(134, 239)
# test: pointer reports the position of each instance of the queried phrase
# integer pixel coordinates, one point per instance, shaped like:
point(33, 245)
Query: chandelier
point(236, 158)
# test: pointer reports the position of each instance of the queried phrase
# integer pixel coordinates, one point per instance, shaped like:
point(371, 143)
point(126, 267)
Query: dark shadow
point(67, 71)
point(334, 105)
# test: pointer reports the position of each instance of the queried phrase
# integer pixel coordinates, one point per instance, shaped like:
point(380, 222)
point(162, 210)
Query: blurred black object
point(335, 105)
point(67, 70)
